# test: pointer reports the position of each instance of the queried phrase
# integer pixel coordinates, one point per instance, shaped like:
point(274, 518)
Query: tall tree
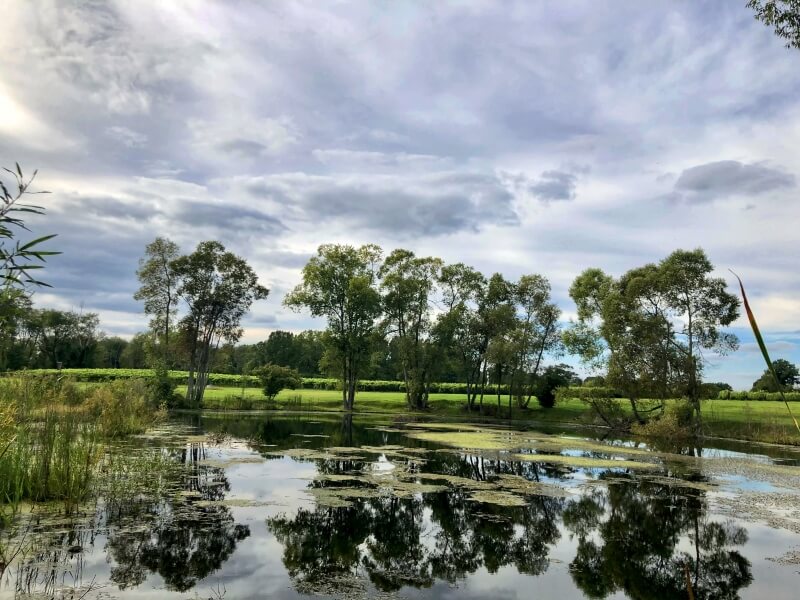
point(457, 328)
point(339, 284)
point(408, 283)
point(218, 288)
point(701, 306)
point(159, 288)
point(537, 333)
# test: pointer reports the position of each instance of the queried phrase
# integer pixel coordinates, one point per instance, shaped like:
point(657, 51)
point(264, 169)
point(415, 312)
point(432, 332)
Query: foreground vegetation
point(53, 434)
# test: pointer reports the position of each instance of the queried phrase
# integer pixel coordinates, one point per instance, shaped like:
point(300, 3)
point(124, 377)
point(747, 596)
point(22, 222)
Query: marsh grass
point(52, 436)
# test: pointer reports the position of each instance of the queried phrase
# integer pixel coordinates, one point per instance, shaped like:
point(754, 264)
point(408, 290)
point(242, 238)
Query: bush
point(161, 388)
point(274, 379)
point(674, 424)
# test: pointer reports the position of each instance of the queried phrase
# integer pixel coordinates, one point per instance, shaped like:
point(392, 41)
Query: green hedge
point(228, 380)
point(728, 395)
point(586, 393)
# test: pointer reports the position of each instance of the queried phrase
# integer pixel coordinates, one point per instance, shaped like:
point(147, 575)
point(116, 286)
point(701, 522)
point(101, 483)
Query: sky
point(519, 137)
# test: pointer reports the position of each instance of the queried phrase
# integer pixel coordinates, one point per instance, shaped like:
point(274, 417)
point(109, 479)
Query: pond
point(287, 506)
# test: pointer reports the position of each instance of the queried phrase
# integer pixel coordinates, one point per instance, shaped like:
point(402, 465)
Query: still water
point(263, 506)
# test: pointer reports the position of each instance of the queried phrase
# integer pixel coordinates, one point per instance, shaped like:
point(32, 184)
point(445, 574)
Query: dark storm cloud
point(724, 178)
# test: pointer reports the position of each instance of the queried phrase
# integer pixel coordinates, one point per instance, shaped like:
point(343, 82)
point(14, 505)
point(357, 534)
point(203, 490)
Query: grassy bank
point(765, 421)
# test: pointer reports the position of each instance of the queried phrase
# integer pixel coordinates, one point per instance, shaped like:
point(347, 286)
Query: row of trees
point(650, 332)
point(432, 316)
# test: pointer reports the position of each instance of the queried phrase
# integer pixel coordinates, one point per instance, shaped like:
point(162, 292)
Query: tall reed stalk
point(763, 347)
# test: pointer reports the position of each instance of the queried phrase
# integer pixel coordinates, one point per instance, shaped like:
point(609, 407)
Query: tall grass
point(52, 433)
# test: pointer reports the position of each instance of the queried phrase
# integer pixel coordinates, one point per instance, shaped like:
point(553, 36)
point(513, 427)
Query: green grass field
point(766, 421)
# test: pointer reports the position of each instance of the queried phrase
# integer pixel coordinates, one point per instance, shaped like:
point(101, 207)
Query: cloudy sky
point(514, 136)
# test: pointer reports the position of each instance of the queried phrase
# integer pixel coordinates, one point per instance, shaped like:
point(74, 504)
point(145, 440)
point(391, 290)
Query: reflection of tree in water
point(389, 539)
point(639, 528)
point(183, 539)
point(628, 536)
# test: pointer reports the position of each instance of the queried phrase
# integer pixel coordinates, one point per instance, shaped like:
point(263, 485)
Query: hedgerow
point(230, 380)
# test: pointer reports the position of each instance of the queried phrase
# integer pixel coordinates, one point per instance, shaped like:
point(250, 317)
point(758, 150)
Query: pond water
point(265, 506)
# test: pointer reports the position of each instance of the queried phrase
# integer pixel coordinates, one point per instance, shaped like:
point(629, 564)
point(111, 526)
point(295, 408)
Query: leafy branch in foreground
point(16, 258)
point(763, 347)
point(782, 15)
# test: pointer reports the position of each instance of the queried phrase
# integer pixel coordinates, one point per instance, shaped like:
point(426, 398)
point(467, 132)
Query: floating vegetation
point(789, 558)
point(779, 510)
point(584, 462)
point(224, 463)
point(498, 497)
point(236, 502)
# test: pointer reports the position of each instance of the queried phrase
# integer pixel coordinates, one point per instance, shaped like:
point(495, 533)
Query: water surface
point(257, 506)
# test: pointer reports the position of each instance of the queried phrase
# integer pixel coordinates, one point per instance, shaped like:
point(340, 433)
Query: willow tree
point(339, 284)
point(652, 328)
point(218, 288)
point(408, 283)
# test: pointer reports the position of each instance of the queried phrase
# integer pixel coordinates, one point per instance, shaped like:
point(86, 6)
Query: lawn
point(754, 420)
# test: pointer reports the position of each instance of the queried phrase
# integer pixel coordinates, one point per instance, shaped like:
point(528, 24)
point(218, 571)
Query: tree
point(649, 328)
point(495, 321)
point(159, 287)
point(457, 329)
point(408, 284)
point(787, 373)
point(110, 351)
point(537, 332)
point(701, 305)
point(218, 288)
point(339, 284)
point(65, 338)
point(134, 356)
point(782, 15)
point(274, 378)
point(552, 378)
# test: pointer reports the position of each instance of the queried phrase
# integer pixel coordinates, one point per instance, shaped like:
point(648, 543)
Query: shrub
point(161, 388)
point(274, 379)
point(674, 424)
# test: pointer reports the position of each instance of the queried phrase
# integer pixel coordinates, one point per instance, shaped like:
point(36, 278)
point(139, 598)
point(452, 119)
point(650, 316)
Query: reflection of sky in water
point(257, 568)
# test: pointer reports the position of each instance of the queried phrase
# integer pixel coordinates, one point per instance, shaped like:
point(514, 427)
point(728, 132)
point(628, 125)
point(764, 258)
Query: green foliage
point(161, 388)
point(782, 15)
point(786, 376)
point(274, 378)
point(551, 379)
point(339, 285)
point(51, 434)
point(17, 259)
point(159, 288)
point(759, 395)
point(218, 288)
point(408, 284)
point(649, 329)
